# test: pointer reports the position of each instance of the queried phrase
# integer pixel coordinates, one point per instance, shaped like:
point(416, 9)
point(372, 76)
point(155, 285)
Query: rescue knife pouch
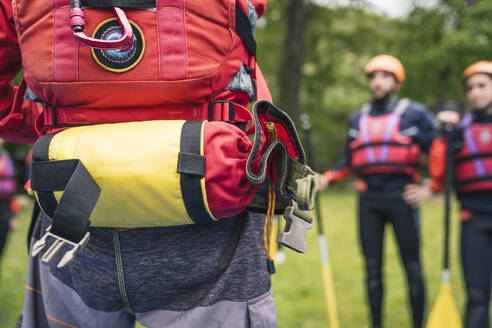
point(165, 173)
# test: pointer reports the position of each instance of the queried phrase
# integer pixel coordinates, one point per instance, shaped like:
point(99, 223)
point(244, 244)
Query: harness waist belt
point(220, 110)
point(167, 172)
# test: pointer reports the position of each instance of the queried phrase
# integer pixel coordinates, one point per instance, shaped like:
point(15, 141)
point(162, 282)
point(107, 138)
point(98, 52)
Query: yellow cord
point(268, 226)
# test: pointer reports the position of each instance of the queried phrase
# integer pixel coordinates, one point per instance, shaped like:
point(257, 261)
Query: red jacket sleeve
point(15, 206)
point(18, 126)
point(338, 175)
point(437, 164)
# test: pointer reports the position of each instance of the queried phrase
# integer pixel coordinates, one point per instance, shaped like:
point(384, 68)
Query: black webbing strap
point(119, 3)
point(472, 157)
point(242, 28)
point(80, 192)
point(40, 151)
point(462, 183)
point(191, 165)
point(386, 164)
point(375, 144)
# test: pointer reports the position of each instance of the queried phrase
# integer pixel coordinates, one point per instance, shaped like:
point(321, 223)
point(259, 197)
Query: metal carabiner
point(77, 22)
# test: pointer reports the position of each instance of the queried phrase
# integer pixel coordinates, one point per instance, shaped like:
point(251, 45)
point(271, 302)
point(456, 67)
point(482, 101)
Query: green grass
point(297, 285)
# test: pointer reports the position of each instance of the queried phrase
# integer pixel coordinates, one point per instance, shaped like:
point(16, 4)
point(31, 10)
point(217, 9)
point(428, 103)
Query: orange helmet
point(479, 67)
point(386, 63)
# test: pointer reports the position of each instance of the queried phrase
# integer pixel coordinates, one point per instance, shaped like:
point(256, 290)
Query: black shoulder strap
point(243, 29)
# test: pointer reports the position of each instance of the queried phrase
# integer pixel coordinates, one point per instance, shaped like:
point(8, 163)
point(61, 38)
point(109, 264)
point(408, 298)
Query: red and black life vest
point(380, 147)
point(474, 161)
point(186, 60)
point(7, 178)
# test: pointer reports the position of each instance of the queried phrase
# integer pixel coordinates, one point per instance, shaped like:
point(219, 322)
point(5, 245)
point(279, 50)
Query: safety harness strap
point(80, 192)
point(244, 31)
point(191, 165)
point(219, 110)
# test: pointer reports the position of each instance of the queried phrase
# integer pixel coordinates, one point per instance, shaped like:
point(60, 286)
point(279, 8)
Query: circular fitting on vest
point(386, 63)
point(483, 66)
point(118, 60)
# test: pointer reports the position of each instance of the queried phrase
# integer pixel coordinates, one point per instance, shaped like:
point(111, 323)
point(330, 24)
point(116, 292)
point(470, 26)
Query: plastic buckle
point(232, 110)
point(296, 227)
point(56, 246)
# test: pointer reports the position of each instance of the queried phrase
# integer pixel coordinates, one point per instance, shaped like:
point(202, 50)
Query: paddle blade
point(444, 313)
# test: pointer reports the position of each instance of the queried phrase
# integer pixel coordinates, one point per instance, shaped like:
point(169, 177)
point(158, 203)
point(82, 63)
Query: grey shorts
point(187, 276)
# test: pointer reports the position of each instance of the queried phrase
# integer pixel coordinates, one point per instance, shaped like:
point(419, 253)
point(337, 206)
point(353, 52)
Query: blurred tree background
point(313, 53)
point(435, 45)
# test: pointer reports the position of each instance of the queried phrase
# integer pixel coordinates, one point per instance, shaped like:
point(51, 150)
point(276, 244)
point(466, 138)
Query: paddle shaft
point(330, 299)
point(448, 129)
point(306, 126)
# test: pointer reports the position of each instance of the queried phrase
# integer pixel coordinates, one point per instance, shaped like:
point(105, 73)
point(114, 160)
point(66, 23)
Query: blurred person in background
point(383, 147)
point(470, 142)
point(8, 205)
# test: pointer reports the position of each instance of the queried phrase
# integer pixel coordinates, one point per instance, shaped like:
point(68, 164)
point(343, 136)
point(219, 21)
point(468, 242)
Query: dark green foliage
point(434, 44)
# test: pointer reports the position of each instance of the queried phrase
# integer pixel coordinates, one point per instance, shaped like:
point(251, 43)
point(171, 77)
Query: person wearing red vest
point(8, 205)
point(180, 60)
point(471, 144)
point(384, 143)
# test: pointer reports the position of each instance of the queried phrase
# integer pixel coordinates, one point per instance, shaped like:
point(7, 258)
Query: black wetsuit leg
point(375, 209)
point(371, 232)
point(4, 229)
point(406, 225)
point(476, 257)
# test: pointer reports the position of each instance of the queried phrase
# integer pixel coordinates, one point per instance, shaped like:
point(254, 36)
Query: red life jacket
point(474, 161)
point(182, 58)
point(186, 60)
point(380, 147)
point(7, 178)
